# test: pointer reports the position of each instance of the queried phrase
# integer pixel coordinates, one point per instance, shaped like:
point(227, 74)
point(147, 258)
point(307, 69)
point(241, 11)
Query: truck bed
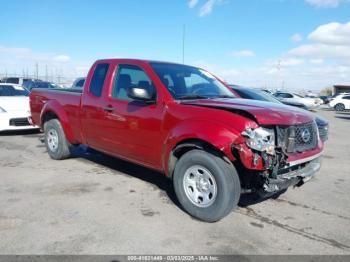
point(67, 100)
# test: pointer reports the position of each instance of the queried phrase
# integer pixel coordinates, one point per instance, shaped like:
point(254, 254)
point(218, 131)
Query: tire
point(339, 107)
point(222, 176)
point(56, 143)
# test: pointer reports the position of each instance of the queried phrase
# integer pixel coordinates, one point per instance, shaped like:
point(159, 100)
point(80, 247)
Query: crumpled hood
point(265, 113)
point(14, 103)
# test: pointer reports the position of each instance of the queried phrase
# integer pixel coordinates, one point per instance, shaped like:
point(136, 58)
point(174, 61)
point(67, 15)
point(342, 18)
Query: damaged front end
point(264, 155)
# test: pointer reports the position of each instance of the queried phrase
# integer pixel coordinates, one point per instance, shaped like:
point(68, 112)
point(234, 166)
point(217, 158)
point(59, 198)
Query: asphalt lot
point(94, 204)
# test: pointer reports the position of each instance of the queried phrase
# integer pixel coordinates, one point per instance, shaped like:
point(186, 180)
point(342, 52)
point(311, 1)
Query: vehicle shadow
point(326, 109)
point(343, 117)
point(251, 199)
point(20, 132)
point(343, 113)
point(157, 179)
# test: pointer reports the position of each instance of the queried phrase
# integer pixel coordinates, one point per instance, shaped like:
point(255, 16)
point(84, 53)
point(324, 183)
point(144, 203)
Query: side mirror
point(141, 94)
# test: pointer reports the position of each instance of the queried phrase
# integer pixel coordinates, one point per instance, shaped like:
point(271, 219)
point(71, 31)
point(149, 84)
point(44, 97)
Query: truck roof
point(133, 60)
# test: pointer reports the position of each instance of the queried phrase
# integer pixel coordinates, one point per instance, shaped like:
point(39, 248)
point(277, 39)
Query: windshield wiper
point(224, 96)
point(185, 97)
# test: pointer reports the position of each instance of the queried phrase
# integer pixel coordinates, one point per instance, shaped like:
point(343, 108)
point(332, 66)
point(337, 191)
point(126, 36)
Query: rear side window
point(346, 97)
point(98, 79)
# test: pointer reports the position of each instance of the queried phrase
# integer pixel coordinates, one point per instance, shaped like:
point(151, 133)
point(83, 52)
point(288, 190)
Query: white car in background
point(14, 108)
point(319, 100)
point(308, 102)
point(340, 102)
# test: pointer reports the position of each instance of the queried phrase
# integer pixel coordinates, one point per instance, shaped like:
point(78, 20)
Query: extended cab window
point(98, 79)
point(130, 76)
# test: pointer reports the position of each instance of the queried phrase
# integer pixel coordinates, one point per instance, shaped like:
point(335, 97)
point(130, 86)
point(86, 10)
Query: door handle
point(109, 108)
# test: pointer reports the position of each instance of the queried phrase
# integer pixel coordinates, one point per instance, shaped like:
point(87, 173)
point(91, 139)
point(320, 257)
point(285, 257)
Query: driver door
point(134, 127)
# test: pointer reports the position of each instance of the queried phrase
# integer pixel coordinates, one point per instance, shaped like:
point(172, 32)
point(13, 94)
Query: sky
point(295, 44)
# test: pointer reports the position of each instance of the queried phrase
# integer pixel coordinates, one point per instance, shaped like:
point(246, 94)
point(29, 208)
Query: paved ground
point(95, 204)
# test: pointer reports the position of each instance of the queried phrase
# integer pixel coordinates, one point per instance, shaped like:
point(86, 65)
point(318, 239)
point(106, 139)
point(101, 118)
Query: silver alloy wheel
point(52, 140)
point(200, 186)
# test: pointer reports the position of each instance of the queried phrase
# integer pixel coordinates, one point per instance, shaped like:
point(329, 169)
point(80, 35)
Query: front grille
point(298, 138)
point(19, 122)
point(305, 137)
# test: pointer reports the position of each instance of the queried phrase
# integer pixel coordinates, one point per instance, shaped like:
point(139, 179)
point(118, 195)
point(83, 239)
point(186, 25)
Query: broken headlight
point(261, 139)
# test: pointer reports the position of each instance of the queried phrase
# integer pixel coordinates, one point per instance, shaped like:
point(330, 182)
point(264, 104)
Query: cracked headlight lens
point(261, 139)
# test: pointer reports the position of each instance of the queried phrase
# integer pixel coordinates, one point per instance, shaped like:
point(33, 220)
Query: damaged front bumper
point(295, 174)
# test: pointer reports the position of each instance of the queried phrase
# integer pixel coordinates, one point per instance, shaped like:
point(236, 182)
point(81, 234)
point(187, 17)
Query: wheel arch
point(187, 145)
point(53, 110)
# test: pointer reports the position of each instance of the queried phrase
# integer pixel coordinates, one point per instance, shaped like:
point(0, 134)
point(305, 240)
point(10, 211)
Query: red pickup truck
point(186, 123)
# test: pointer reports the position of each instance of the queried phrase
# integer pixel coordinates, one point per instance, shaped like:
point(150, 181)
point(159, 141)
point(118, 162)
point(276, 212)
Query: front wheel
point(206, 186)
point(55, 140)
point(339, 107)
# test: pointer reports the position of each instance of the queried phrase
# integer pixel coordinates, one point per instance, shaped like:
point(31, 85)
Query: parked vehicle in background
point(268, 91)
point(326, 99)
point(29, 85)
point(186, 123)
point(262, 95)
point(79, 83)
point(310, 103)
point(14, 108)
point(254, 94)
point(318, 99)
point(17, 80)
point(340, 102)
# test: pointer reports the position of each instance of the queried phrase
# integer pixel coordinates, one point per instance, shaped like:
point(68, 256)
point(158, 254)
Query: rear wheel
point(55, 140)
point(206, 186)
point(339, 107)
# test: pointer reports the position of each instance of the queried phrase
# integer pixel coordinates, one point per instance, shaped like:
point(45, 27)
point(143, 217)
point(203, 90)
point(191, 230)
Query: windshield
point(186, 82)
point(298, 95)
point(255, 94)
point(7, 90)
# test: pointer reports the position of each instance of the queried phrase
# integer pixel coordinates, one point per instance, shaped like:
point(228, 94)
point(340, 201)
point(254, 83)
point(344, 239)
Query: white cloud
point(324, 3)
point(20, 61)
point(243, 53)
point(328, 41)
point(323, 61)
point(23, 55)
point(284, 62)
point(291, 62)
point(321, 51)
point(316, 61)
point(332, 34)
point(61, 58)
point(192, 3)
point(296, 38)
point(208, 7)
